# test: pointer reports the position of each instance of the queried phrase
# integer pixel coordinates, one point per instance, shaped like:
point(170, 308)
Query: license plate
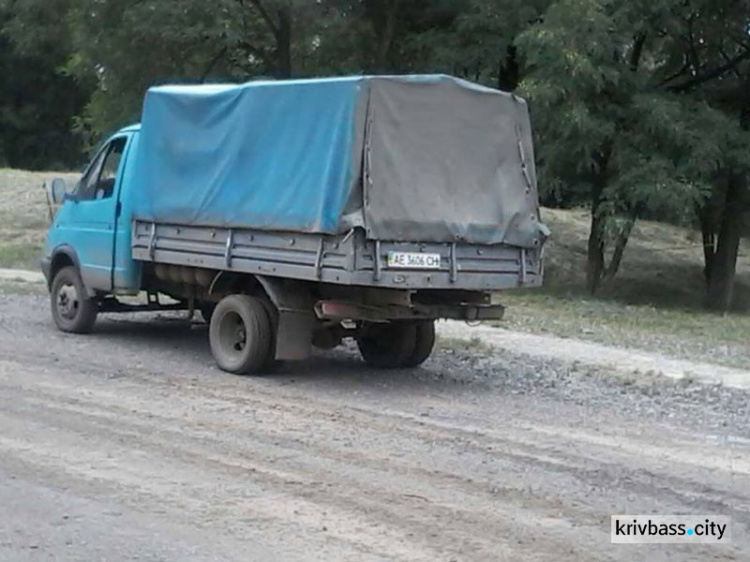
point(413, 260)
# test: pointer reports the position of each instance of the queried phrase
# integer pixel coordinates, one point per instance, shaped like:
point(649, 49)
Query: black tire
point(72, 310)
point(207, 310)
point(425, 342)
point(388, 346)
point(240, 335)
point(272, 364)
point(327, 338)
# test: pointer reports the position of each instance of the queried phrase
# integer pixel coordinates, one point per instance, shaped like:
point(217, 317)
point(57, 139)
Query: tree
point(610, 132)
point(712, 52)
point(486, 39)
point(130, 46)
point(38, 97)
point(385, 36)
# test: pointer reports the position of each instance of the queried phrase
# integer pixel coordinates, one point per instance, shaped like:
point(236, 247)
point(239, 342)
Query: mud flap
point(294, 302)
point(294, 335)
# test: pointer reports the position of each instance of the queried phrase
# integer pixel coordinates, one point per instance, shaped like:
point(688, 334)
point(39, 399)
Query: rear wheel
point(72, 310)
point(272, 364)
point(423, 345)
point(388, 346)
point(240, 335)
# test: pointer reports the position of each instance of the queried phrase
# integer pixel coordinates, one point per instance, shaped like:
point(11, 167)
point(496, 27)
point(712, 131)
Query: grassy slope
point(23, 217)
point(663, 264)
point(654, 302)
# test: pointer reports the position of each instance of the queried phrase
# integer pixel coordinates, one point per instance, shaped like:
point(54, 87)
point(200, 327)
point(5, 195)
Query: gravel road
point(130, 445)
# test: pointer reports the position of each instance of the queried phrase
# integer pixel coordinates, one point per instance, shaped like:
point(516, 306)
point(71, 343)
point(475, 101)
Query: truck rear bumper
point(338, 310)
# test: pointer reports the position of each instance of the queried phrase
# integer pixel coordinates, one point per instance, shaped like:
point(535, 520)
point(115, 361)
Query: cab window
point(99, 181)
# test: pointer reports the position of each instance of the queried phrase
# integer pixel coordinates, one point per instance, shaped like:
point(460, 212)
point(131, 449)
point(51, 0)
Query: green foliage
point(38, 99)
point(128, 46)
point(618, 125)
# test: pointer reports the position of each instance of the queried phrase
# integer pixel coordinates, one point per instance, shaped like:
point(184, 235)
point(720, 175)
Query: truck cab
point(92, 229)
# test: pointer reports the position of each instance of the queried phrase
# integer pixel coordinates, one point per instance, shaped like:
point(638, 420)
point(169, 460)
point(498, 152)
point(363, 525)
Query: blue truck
point(294, 214)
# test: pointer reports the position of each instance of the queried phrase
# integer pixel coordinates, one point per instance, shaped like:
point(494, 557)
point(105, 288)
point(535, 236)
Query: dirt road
point(130, 445)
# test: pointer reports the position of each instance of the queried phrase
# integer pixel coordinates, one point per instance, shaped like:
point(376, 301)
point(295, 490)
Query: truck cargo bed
point(345, 259)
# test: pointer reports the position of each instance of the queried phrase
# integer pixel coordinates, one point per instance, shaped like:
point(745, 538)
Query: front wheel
point(72, 310)
point(240, 335)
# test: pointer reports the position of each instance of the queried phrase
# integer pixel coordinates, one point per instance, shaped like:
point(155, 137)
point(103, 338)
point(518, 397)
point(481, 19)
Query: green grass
point(686, 333)
point(20, 256)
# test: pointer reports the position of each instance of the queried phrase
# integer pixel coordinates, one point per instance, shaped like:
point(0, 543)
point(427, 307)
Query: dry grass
point(654, 303)
point(24, 216)
point(20, 287)
point(662, 267)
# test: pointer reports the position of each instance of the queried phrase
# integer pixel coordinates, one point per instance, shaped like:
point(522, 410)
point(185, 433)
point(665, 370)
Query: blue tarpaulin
point(276, 155)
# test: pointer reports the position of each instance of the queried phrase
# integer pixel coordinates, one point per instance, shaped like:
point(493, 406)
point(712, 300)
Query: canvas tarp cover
point(418, 158)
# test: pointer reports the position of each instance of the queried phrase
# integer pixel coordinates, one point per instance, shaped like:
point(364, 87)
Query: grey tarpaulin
point(445, 162)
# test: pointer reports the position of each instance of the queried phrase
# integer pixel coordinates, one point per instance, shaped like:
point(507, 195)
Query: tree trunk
point(509, 70)
point(708, 235)
point(595, 265)
point(721, 260)
point(283, 35)
point(595, 255)
point(383, 16)
point(724, 260)
point(622, 241)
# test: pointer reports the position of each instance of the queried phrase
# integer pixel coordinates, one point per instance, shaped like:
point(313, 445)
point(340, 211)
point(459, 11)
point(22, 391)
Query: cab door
point(88, 218)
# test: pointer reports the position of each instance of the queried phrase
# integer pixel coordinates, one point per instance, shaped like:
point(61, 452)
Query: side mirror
point(58, 191)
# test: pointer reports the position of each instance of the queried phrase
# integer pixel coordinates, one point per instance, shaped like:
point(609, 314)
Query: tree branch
point(252, 49)
point(266, 17)
point(212, 63)
point(635, 54)
point(691, 44)
point(677, 74)
point(715, 73)
point(726, 58)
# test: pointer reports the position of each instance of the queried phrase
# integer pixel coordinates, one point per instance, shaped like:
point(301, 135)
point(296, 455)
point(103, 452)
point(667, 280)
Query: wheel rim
point(67, 301)
point(232, 334)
